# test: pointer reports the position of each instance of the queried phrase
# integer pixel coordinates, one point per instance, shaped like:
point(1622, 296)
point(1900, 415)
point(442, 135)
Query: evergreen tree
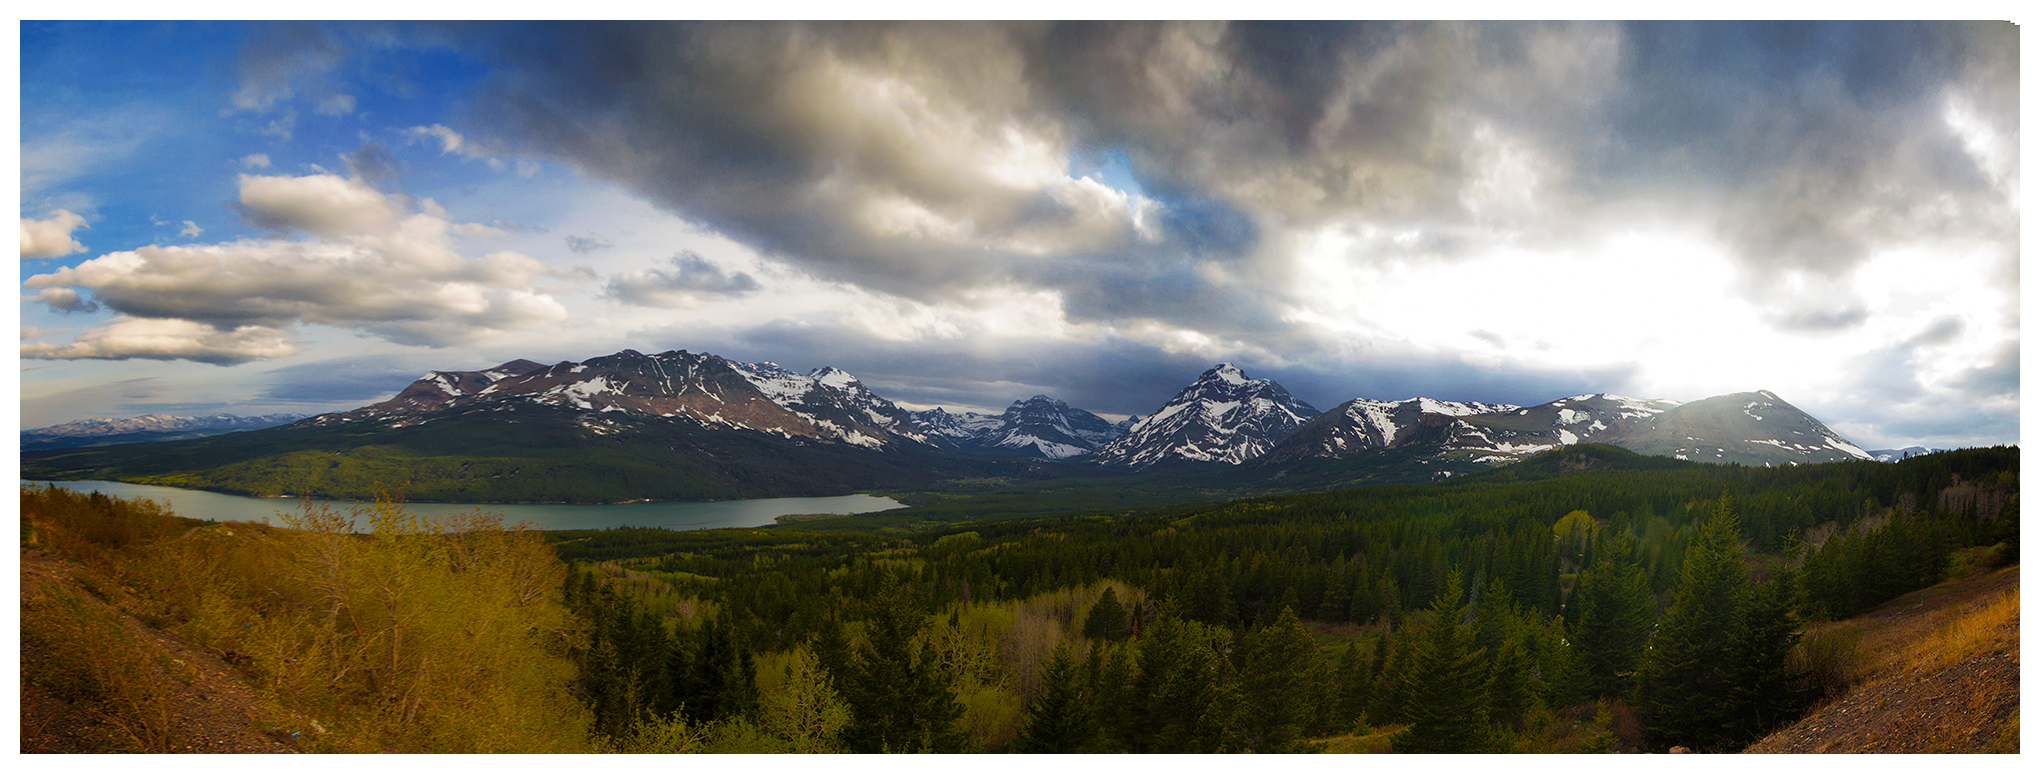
point(1564, 681)
point(1612, 613)
point(1393, 658)
point(1447, 700)
point(1058, 721)
point(1688, 689)
point(1509, 690)
point(1350, 698)
point(1107, 620)
point(1210, 599)
point(901, 700)
point(1279, 684)
point(1767, 699)
point(1184, 694)
point(1113, 705)
point(724, 681)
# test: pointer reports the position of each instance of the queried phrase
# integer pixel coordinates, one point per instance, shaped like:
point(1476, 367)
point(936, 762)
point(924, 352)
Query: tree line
point(1486, 611)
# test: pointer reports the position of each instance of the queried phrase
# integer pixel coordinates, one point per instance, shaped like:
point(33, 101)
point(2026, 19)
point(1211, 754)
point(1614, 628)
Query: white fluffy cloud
point(372, 269)
point(51, 238)
point(129, 337)
point(320, 205)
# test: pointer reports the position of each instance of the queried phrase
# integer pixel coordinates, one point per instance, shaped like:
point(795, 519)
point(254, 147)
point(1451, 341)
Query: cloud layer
point(370, 267)
point(971, 212)
point(921, 159)
point(129, 338)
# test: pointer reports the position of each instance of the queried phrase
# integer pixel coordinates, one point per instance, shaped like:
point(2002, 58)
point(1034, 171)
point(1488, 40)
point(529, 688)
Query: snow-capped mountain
point(1894, 455)
point(1483, 433)
point(159, 423)
point(1222, 417)
point(609, 393)
point(1037, 427)
point(148, 427)
point(1361, 424)
point(1750, 428)
point(1747, 428)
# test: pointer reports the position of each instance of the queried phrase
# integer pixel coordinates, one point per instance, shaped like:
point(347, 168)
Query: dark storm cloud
point(282, 58)
point(866, 152)
point(1815, 141)
point(781, 135)
point(1109, 375)
point(1887, 374)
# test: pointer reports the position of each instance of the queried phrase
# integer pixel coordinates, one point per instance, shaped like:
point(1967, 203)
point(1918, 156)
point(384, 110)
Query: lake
point(194, 504)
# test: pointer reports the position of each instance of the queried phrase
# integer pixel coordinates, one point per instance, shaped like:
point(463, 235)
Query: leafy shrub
point(82, 653)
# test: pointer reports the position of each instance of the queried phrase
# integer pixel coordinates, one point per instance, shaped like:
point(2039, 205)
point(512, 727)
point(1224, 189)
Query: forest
point(1582, 603)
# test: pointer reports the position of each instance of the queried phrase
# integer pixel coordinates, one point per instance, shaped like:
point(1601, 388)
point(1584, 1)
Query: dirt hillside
point(1940, 673)
point(194, 702)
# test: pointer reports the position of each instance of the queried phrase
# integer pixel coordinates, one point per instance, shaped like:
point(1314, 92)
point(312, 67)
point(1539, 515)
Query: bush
point(81, 652)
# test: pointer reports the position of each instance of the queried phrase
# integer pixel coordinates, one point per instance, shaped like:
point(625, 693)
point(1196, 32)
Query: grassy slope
point(1933, 671)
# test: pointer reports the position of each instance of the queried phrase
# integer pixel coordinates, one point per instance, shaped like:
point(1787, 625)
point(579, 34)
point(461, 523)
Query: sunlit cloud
point(51, 237)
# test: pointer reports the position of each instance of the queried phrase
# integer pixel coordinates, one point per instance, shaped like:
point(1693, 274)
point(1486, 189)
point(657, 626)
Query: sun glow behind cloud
point(1660, 302)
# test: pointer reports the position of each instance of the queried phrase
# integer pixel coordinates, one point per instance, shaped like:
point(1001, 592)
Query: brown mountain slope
point(1934, 671)
point(97, 679)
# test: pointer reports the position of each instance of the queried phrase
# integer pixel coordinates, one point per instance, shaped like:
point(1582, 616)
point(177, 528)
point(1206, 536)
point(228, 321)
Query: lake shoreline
point(547, 516)
point(238, 493)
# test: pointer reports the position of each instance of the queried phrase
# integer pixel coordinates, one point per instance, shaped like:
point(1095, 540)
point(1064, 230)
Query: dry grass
point(82, 653)
point(1934, 671)
point(1372, 741)
point(1969, 633)
point(1913, 631)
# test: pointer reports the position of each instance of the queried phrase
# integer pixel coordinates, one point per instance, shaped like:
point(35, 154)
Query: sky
point(304, 217)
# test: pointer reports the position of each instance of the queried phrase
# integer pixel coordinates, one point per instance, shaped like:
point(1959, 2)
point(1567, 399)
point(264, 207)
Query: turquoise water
point(194, 504)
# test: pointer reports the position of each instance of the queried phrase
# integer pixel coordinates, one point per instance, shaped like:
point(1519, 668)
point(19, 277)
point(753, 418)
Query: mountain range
point(680, 425)
point(100, 431)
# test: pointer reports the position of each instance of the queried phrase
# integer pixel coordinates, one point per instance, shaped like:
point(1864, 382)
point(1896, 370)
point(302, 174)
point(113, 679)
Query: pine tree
point(1058, 721)
point(1183, 696)
point(1112, 702)
point(900, 698)
point(724, 682)
point(1350, 696)
point(1280, 683)
point(1107, 620)
point(1611, 616)
point(1447, 700)
point(1766, 699)
point(1389, 699)
point(1688, 688)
